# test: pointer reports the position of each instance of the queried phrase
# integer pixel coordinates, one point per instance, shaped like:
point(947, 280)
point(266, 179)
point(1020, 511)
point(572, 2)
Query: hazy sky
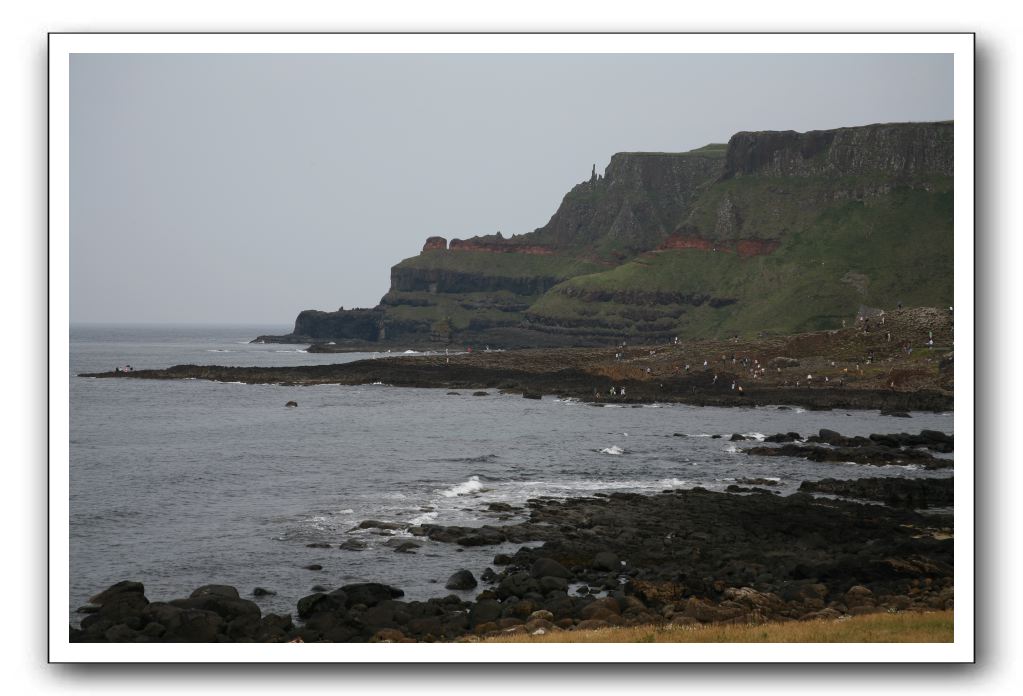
point(245, 188)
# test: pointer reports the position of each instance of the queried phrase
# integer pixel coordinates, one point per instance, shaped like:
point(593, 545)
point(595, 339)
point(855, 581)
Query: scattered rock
point(461, 580)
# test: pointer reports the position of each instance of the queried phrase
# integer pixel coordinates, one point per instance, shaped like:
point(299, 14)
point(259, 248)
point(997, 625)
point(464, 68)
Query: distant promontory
point(776, 232)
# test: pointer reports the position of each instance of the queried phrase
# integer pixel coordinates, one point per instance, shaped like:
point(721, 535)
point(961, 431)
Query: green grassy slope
point(510, 265)
point(876, 252)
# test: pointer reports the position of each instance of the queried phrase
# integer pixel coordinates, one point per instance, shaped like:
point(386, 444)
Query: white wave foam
point(759, 437)
point(412, 352)
point(423, 519)
point(672, 483)
point(731, 449)
point(346, 511)
point(613, 449)
point(469, 487)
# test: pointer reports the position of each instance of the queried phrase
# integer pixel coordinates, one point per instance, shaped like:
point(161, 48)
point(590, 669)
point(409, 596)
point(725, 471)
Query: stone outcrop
point(634, 206)
point(435, 244)
point(898, 150)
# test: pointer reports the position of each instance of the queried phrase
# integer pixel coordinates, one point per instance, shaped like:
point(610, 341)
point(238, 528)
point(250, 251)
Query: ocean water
point(182, 483)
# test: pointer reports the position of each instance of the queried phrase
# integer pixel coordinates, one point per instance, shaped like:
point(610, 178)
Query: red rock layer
point(435, 243)
point(498, 248)
point(742, 247)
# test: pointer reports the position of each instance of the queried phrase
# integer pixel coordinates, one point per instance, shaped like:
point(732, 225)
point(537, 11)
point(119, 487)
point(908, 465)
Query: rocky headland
point(775, 231)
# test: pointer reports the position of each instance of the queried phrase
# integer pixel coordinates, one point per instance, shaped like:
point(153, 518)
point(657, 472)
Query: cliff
point(776, 231)
point(892, 150)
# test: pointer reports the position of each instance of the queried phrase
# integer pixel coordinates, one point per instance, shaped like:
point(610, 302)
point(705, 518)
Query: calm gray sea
point(182, 483)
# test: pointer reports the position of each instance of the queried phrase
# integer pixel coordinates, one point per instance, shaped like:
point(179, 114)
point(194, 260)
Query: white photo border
point(62, 45)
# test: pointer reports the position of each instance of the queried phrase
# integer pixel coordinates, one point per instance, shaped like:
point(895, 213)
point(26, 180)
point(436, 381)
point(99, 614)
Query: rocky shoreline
point(896, 368)
point(680, 557)
point(591, 385)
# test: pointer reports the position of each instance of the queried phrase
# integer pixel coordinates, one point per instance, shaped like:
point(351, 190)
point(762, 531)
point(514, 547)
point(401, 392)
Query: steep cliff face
point(634, 206)
point(777, 231)
point(357, 324)
point(892, 150)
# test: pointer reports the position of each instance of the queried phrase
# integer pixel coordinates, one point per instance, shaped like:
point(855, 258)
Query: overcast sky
point(245, 188)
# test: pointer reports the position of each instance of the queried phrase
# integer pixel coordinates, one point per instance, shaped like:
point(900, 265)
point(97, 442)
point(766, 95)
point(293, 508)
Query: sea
point(182, 483)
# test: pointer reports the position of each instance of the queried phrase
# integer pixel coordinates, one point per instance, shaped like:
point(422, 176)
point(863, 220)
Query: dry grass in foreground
point(909, 627)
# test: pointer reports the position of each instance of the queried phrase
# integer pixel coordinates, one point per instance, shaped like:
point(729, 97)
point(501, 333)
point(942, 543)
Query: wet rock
point(216, 591)
point(321, 602)
point(292, 404)
point(783, 437)
point(758, 482)
point(532, 395)
point(481, 393)
point(895, 414)
point(221, 603)
point(262, 592)
point(874, 456)
point(897, 492)
point(318, 545)
point(606, 560)
point(313, 566)
point(377, 524)
point(548, 567)
point(353, 545)
point(407, 547)
point(461, 580)
point(370, 593)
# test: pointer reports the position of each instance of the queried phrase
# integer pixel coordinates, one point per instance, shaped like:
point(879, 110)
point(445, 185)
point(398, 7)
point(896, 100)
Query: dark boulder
point(216, 591)
point(370, 593)
point(321, 602)
point(606, 560)
point(461, 580)
point(117, 590)
point(548, 567)
point(226, 607)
